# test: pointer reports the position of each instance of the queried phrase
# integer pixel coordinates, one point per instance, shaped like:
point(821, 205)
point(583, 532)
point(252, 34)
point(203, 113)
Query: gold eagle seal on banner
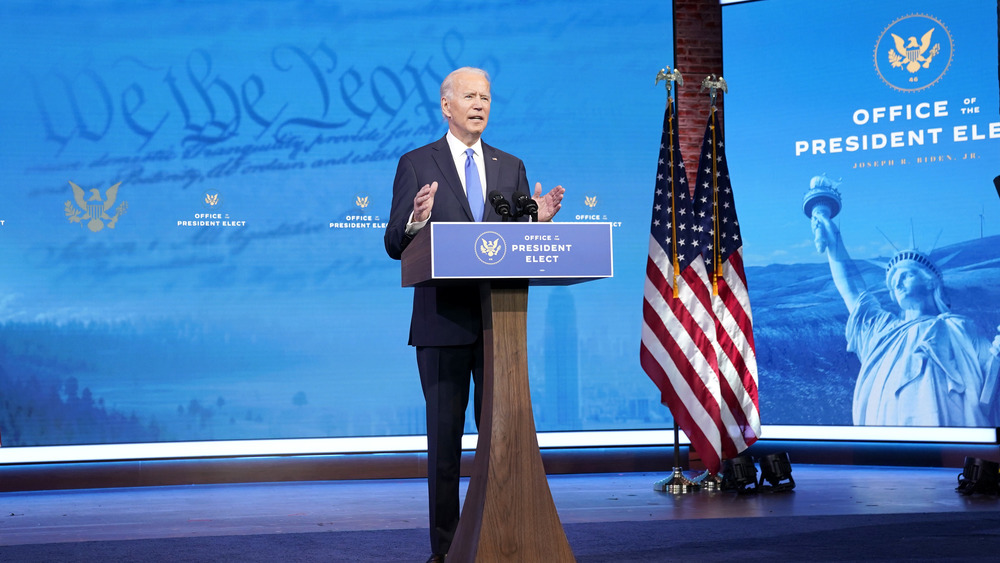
point(490, 247)
point(913, 52)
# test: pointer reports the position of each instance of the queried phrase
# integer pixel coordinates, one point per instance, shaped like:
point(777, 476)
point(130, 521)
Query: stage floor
point(44, 517)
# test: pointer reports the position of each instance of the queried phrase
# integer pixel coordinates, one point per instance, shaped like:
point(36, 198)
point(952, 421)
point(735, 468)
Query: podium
point(508, 513)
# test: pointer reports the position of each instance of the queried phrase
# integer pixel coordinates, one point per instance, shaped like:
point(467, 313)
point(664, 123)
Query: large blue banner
point(195, 196)
point(886, 115)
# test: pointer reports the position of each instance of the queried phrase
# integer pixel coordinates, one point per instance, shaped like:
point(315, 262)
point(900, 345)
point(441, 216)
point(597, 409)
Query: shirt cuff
point(413, 227)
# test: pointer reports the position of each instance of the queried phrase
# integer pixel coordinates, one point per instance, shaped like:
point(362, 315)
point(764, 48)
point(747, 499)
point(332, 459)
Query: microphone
point(499, 203)
point(996, 183)
point(525, 205)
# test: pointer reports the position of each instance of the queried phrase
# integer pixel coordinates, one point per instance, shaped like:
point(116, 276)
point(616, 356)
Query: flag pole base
point(676, 483)
point(708, 482)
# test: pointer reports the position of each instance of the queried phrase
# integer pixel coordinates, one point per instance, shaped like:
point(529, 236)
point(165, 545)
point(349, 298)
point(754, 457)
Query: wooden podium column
point(508, 513)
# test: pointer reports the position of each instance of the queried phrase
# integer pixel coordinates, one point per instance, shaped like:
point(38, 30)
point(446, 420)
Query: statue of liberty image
point(922, 366)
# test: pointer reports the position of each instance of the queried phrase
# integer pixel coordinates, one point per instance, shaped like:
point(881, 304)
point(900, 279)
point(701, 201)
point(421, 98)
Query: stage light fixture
point(776, 469)
point(739, 474)
point(979, 476)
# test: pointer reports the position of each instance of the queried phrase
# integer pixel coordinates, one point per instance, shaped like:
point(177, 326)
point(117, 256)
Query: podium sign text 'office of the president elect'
point(567, 252)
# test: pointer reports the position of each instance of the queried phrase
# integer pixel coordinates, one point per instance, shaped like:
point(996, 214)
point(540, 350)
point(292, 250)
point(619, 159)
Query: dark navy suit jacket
point(446, 316)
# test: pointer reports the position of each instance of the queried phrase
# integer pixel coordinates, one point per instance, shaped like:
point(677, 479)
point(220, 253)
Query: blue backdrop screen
point(194, 199)
point(894, 104)
point(220, 272)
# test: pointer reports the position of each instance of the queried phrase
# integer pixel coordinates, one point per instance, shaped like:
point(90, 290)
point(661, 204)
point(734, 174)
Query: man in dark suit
point(448, 180)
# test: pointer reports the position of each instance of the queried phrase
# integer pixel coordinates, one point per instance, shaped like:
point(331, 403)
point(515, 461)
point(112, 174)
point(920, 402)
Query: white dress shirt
point(457, 149)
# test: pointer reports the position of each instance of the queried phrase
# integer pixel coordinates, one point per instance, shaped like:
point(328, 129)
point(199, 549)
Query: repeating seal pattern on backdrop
point(95, 208)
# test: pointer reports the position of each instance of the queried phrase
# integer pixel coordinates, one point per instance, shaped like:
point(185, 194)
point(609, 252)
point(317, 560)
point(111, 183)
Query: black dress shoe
point(435, 558)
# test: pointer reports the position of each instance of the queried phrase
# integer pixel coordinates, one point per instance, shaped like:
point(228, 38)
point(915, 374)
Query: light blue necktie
point(473, 187)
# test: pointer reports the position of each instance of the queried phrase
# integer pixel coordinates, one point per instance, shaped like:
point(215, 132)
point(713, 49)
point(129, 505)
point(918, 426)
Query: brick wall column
point(697, 54)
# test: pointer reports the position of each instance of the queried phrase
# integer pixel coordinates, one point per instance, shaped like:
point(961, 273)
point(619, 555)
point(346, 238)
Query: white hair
point(448, 84)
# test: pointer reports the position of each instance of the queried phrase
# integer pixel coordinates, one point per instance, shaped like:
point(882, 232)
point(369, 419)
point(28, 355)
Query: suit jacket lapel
point(449, 172)
point(492, 168)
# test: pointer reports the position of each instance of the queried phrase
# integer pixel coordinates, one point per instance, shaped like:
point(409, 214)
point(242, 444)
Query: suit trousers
point(445, 373)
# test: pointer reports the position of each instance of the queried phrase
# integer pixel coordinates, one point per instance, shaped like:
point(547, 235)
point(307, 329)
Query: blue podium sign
point(543, 253)
point(521, 250)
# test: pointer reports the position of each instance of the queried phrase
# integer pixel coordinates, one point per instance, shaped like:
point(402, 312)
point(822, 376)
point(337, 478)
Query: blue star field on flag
point(712, 163)
point(673, 225)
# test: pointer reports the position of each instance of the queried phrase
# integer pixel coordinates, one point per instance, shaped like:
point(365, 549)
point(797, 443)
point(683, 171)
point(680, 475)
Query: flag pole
point(670, 78)
point(713, 84)
point(677, 482)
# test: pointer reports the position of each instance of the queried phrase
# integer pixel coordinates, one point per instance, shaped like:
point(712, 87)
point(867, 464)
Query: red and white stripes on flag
point(722, 249)
point(678, 349)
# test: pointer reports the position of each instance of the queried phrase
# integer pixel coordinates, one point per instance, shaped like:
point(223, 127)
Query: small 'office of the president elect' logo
point(212, 200)
point(490, 248)
point(913, 52)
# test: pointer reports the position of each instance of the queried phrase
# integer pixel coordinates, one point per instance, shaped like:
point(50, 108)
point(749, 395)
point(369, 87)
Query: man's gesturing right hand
point(424, 201)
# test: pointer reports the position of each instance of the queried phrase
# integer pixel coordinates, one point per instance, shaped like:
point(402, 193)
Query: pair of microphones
point(523, 205)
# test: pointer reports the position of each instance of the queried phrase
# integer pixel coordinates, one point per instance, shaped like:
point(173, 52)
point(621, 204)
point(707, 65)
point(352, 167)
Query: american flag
point(678, 351)
point(722, 248)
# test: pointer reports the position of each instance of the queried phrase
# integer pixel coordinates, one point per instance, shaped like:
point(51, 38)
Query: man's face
point(468, 108)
